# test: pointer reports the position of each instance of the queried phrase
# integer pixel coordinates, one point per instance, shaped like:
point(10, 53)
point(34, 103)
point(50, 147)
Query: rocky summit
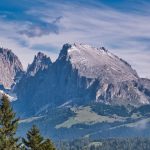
point(40, 62)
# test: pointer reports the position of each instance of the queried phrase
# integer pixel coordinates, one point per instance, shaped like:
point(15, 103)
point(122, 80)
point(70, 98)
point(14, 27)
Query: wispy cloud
point(33, 30)
point(51, 24)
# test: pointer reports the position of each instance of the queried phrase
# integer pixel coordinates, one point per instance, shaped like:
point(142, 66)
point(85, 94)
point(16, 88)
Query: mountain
point(10, 67)
point(86, 92)
point(82, 74)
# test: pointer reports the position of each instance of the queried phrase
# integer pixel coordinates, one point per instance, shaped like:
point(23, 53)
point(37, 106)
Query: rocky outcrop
point(40, 62)
point(10, 67)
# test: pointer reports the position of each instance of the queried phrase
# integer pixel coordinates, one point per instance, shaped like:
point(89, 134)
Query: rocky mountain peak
point(40, 62)
point(40, 56)
point(10, 67)
point(95, 62)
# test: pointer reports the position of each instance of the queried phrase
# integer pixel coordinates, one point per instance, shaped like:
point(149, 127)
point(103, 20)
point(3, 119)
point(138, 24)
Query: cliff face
point(10, 67)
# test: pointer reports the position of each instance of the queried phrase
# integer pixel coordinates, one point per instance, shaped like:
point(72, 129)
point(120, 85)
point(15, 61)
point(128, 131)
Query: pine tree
point(36, 142)
point(8, 126)
point(34, 138)
point(47, 145)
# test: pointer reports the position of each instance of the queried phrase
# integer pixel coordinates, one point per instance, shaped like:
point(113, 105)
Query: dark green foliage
point(125, 144)
point(143, 110)
point(108, 144)
point(78, 144)
point(107, 110)
point(8, 126)
point(47, 145)
point(123, 111)
point(34, 139)
point(36, 142)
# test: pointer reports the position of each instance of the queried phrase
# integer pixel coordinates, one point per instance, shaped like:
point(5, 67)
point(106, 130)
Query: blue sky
point(122, 26)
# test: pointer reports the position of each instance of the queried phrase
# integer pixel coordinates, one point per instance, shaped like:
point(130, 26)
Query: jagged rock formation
point(80, 75)
point(10, 67)
point(40, 62)
point(29, 85)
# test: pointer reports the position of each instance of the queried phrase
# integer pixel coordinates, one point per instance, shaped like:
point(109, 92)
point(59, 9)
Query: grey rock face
point(40, 62)
point(96, 75)
point(96, 63)
point(80, 75)
point(10, 67)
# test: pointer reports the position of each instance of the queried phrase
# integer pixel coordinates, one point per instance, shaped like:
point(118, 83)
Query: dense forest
point(137, 143)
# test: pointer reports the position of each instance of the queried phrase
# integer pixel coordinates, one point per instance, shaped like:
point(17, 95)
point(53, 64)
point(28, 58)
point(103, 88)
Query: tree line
point(8, 127)
point(135, 143)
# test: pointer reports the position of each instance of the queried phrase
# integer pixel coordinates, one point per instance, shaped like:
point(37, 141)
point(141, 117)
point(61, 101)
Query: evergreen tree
point(36, 142)
point(47, 145)
point(34, 138)
point(8, 126)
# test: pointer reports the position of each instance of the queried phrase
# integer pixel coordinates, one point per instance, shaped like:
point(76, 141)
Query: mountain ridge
point(83, 74)
point(86, 91)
